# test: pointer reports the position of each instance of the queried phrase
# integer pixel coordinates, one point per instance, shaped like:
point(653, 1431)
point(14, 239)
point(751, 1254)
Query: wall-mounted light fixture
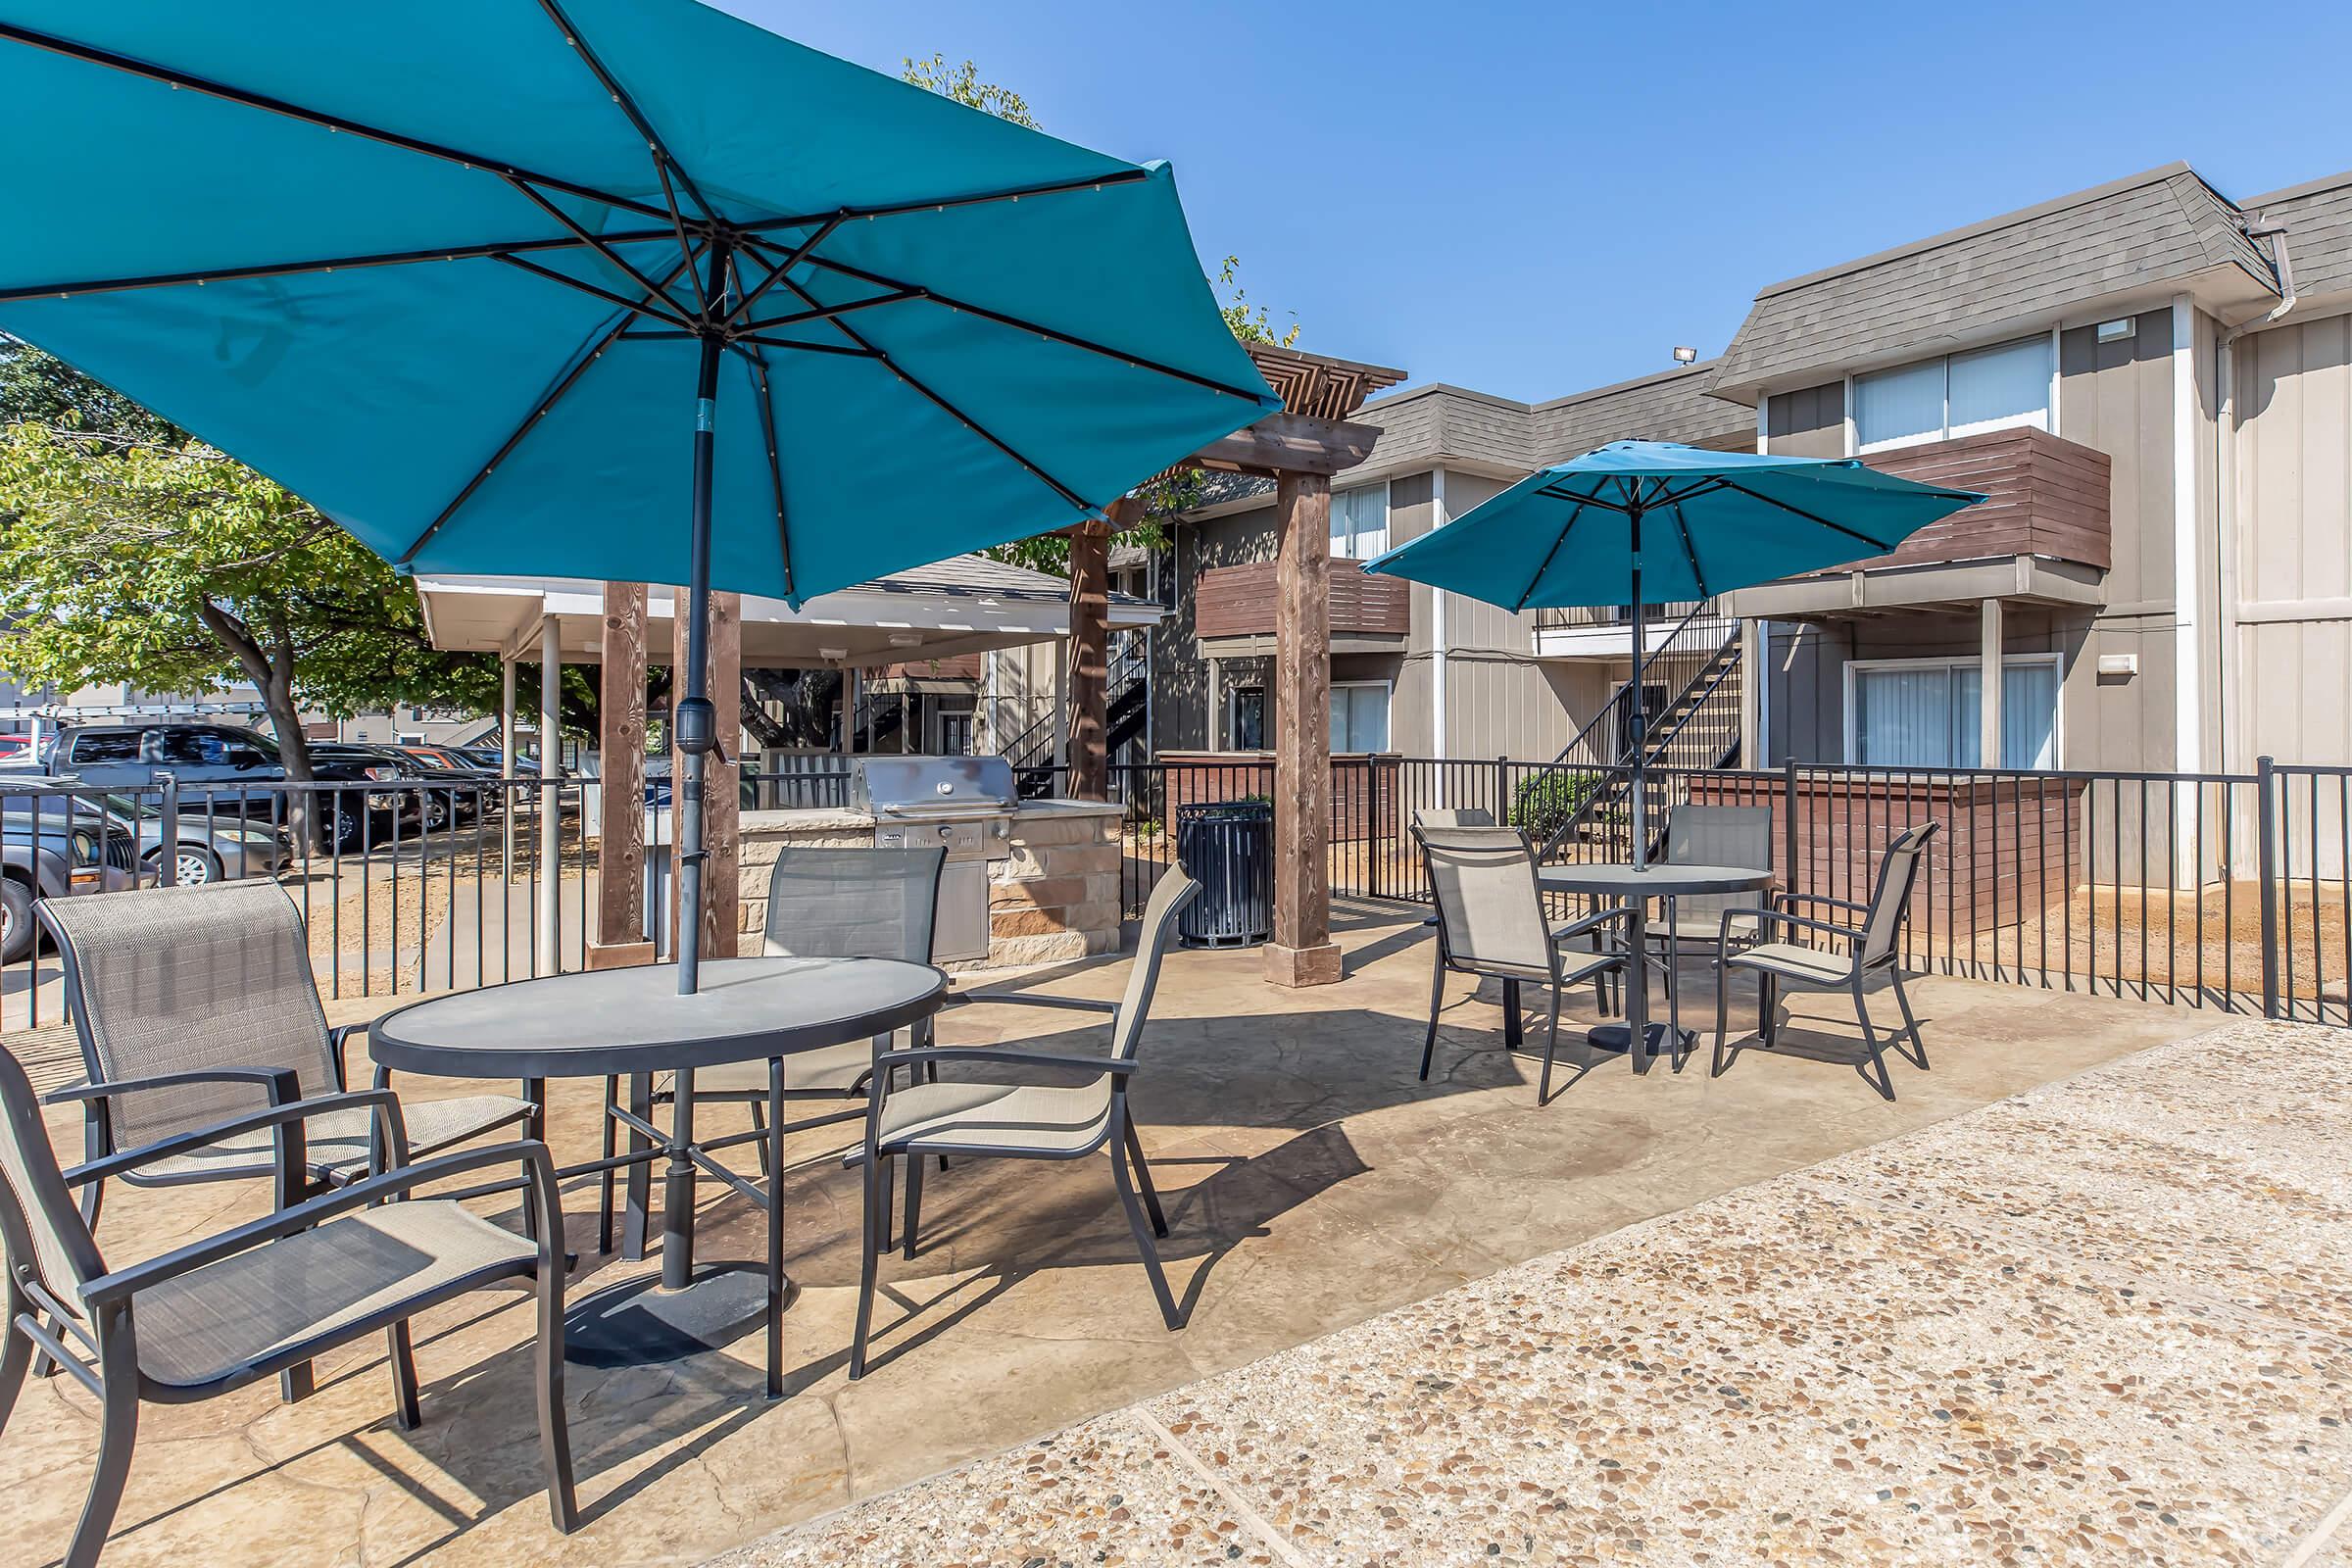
point(1685, 355)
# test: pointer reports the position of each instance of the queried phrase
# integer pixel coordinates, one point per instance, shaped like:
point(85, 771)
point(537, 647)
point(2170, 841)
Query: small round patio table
point(632, 1023)
point(1635, 887)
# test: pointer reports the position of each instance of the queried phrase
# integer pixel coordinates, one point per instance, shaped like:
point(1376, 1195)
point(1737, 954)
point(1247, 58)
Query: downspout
point(1437, 646)
point(2224, 469)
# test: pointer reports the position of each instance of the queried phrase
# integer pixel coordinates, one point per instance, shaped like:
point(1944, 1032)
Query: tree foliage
point(1165, 497)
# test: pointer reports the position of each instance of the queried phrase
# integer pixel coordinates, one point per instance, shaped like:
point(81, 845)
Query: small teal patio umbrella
point(1655, 519)
point(612, 289)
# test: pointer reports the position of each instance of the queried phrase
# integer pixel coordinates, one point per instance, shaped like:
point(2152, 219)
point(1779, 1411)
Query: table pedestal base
point(1618, 1037)
point(638, 1323)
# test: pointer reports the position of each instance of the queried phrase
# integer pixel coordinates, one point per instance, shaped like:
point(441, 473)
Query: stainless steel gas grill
point(961, 804)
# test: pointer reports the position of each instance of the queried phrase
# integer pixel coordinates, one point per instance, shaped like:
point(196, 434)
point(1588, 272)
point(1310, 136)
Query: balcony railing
point(1242, 601)
point(2043, 496)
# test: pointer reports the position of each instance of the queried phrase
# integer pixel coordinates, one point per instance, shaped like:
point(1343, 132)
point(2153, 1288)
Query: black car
point(224, 770)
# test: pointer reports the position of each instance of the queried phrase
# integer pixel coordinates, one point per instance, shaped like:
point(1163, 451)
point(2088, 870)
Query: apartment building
point(2150, 380)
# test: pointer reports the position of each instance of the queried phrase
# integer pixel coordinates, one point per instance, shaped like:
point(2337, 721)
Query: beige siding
point(2293, 465)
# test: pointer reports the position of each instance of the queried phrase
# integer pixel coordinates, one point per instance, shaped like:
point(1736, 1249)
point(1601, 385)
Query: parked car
point(431, 810)
point(54, 853)
point(235, 770)
point(207, 848)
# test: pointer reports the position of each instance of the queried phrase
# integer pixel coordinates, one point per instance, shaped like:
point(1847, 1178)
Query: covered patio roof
point(965, 603)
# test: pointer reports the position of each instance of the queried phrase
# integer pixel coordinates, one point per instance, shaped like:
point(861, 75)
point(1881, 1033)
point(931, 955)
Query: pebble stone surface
point(2108, 1321)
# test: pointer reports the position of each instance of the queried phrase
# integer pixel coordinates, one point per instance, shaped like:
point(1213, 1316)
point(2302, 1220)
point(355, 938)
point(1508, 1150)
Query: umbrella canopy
point(447, 273)
point(1640, 519)
point(1667, 521)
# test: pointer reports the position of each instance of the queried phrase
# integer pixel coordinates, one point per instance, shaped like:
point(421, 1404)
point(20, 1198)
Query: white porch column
point(1989, 704)
point(506, 763)
point(551, 813)
point(1062, 702)
point(1752, 676)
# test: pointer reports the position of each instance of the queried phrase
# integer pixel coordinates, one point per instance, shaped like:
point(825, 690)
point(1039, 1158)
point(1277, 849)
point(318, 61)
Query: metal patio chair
point(263, 1296)
point(188, 1004)
point(1024, 1120)
point(1491, 922)
point(1861, 950)
point(847, 903)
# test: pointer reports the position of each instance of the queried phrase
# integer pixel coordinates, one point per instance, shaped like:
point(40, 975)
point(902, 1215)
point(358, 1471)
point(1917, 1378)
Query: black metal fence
point(2211, 890)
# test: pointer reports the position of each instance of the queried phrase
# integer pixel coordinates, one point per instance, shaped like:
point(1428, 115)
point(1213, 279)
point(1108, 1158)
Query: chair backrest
point(1717, 835)
point(1174, 890)
point(1891, 900)
point(853, 903)
point(1489, 909)
point(1453, 816)
point(179, 979)
point(38, 1219)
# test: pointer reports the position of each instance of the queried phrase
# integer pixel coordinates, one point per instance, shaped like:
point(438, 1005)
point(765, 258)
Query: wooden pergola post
point(1301, 951)
point(1089, 649)
point(618, 940)
point(723, 814)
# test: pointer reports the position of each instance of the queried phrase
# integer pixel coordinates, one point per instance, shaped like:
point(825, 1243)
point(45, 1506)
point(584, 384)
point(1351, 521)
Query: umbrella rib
point(663, 158)
point(961, 418)
point(591, 240)
point(582, 285)
point(530, 422)
point(1836, 527)
point(827, 312)
point(233, 275)
point(1555, 493)
point(848, 350)
point(744, 306)
point(1133, 361)
point(775, 465)
point(1682, 524)
point(938, 203)
point(1546, 566)
point(90, 55)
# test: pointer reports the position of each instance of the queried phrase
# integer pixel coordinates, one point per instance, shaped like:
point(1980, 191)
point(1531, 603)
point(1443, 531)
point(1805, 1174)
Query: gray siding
point(2146, 231)
point(1809, 423)
point(1179, 672)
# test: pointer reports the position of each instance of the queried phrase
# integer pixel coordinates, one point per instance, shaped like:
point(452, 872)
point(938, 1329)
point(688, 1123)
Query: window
point(107, 746)
point(1988, 389)
point(1359, 522)
point(1928, 713)
point(1359, 717)
point(1245, 720)
point(191, 748)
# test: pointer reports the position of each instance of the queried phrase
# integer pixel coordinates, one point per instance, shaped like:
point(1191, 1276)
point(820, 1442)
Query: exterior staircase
point(1695, 678)
point(1127, 705)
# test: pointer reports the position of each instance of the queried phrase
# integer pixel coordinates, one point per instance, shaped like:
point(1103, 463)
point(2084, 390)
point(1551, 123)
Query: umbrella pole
point(693, 717)
point(1641, 722)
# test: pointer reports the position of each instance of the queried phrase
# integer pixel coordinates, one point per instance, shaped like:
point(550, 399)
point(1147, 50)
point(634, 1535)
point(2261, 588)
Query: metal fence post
point(2266, 855)
point(1502, 784)
point(167, 853)
point(1374, 847)
point(1789, 825)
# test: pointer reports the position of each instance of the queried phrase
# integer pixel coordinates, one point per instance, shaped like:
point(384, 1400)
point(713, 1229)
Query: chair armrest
point(1590, 922)
point(289, 1116)
point(279, 1082)
point(1025, 998)
point(1767, 918)
point(538, 1168)
point(1117, 1065)
point(338, 1045)
point(1781, 901)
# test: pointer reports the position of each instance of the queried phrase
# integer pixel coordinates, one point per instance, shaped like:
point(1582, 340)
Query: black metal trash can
point(1228, 845)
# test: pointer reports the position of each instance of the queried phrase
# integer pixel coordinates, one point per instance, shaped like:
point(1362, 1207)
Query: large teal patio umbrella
point(1653, 518)
point(613, 289)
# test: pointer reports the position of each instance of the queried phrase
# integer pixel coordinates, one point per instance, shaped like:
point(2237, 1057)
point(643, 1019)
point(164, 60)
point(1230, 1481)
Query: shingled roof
point(2317, 216)
point(2149, 230)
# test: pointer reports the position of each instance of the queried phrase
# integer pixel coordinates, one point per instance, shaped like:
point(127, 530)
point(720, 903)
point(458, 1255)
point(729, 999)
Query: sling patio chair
point(263, 1296)
point(188, 1004)
point(822, 903)
point(1024, 1120)
point(1856, 952)
point(1491, 923)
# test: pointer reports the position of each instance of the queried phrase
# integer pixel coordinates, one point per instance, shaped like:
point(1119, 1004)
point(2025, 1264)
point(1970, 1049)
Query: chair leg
point(603, 1201)
point(1436, 1000)
point(883, 1212)
point(1903, 1000)
point(870, 1247)
point(1514, 1029)
point(774, 1144)
point(555, 1434)
point(1885, 1083)
point(118, 1430)
point(16, 1349)
point(914, 1201)
point(1142, 1180)
point(1136, 1223)
point(1768, 1008)
point(638, 1183)
point(1551, 1043)
point(1722, 1022)
point(402, 1354)
point(760, 1125)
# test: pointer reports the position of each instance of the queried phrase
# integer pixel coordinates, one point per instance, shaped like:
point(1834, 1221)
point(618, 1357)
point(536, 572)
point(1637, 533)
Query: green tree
point(1165, 497)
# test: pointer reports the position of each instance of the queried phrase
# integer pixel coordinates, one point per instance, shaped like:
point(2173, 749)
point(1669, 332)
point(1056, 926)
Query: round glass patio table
point(1633, 887)
point(632, 1023)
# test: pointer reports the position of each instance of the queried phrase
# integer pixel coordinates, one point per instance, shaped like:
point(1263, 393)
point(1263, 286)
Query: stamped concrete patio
point(2005, 1333)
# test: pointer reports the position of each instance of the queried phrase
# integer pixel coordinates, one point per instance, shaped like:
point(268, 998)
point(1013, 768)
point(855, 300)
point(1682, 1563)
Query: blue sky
point(1533, 199)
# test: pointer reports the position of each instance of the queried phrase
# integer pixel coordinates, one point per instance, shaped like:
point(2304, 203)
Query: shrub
point(1544, 802)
